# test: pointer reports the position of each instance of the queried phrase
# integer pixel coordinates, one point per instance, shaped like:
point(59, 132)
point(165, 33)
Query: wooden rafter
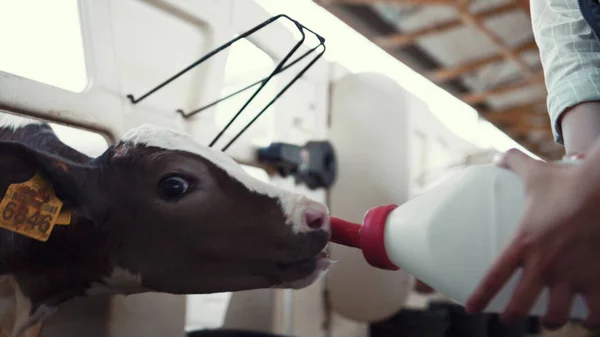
point(525, 129)
point(509, 54)
point(524, 5)
point(537, 105)
point(478, 97)
point(399, 40)
point(519, 115)
point(518, 122)
point(452, 73)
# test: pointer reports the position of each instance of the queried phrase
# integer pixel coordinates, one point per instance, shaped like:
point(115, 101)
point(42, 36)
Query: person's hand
point(557, 243)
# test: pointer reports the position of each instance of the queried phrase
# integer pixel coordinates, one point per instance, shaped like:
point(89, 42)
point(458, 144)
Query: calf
point(156, 212)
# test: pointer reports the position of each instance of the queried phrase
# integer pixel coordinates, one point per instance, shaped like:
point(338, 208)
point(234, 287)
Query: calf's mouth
point(303, 272)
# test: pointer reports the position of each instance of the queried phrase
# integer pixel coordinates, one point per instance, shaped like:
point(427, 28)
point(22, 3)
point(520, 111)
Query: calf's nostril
point(315, 219)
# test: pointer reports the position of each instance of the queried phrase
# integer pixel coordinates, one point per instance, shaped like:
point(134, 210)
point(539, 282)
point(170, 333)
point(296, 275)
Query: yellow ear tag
point(64, 217)
point(30, 208)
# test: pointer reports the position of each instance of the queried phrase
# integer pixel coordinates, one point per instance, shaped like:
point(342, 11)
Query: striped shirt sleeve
point(570, 56)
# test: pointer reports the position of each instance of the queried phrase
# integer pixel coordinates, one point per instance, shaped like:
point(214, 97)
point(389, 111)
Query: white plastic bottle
point(450, 235)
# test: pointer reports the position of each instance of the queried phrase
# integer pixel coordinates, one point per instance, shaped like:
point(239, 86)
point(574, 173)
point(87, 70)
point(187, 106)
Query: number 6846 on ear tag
point(30, 208)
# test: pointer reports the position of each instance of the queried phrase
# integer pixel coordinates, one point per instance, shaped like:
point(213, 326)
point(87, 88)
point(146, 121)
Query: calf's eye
point(173, 187)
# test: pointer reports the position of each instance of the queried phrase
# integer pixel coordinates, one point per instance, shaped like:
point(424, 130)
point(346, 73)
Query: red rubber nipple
point(368, 237)
point(345, 233)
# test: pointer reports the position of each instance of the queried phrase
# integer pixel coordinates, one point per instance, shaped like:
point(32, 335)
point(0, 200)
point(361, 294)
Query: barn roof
point(481, 51)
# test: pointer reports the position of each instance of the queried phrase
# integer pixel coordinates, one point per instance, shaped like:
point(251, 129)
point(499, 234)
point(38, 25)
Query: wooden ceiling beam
point(512, 119)
point(526, 129)
point(479, 97)
point(538, 105)
point(399, 40)
point(517, 122)
point(509, 54)
point(516, 115)
point(452, 73)
point(524, 5)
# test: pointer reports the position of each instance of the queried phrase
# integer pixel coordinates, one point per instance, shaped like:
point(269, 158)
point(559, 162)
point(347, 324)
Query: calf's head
point(163, 213)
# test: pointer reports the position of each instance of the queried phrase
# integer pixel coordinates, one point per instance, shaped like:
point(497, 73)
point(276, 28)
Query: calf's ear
point(78, 185)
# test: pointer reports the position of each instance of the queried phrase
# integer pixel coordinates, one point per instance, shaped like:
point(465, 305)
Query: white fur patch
point(38, 317)
point(15, 122)
point(16, 318)
point(120, 281)
point(8, 305)
point(291, 203)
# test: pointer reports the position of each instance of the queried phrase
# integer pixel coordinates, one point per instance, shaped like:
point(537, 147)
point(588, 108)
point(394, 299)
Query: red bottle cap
point(369, 237)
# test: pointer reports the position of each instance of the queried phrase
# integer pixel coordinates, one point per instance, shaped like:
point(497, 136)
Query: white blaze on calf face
point(292, 204)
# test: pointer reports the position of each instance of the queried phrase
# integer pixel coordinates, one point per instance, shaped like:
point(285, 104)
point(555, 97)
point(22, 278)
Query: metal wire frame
point(282, 66)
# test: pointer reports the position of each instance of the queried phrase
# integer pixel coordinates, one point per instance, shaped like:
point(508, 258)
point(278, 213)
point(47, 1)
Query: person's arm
point(581, 127)
point(558, 235)
point(570, 56)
